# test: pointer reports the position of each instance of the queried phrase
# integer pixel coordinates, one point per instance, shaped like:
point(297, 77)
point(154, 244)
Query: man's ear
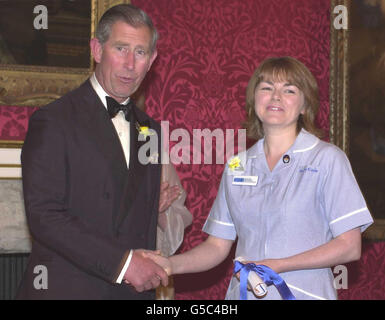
point(96, 49)
point(152, 59)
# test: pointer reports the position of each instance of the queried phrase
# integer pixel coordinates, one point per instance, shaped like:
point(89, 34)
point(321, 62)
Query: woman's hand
point(168, 194)
point(274, 264)
point(342, 249)
point(164, 262)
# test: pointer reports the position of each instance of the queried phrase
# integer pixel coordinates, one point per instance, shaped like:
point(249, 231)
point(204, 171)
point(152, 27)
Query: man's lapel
point(96, 122)
point(137, 171)
point(100, 128)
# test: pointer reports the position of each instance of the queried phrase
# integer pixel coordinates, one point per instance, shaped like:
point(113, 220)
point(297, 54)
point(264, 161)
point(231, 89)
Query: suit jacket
point(84, 208)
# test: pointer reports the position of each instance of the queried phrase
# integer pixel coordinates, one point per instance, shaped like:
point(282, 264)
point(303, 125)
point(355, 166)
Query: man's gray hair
point(129, 14)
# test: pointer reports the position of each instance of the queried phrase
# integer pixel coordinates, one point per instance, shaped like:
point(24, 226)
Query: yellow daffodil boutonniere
point(144, 130)
point(235, 164)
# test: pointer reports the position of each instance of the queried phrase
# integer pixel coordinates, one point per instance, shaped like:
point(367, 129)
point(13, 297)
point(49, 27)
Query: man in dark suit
point(91, 205)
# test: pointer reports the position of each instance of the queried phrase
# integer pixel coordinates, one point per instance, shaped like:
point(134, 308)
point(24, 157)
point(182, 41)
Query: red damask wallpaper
point(14, 122)
point(366, 277)
point(207, 51)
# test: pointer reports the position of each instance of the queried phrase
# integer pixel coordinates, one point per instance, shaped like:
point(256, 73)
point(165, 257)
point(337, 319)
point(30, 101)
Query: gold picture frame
point(340, 97)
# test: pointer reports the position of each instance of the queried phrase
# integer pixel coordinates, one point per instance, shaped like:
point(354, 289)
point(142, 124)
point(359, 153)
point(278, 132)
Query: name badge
point(245, 180)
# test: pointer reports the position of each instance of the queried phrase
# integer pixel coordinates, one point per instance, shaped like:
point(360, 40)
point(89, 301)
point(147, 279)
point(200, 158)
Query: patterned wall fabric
point(206, 54)
point(14, 122)
point(366, 277)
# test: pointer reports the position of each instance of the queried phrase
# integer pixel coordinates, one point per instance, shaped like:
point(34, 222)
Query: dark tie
point(114, 107)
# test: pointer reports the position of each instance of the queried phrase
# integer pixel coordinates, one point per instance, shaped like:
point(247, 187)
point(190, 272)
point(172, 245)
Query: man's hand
point(143, 273)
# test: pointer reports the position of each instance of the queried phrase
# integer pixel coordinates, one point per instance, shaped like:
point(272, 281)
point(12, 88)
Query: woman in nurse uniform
point(291, 201)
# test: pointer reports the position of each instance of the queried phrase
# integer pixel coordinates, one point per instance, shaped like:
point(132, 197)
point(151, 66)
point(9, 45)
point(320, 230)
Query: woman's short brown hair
point(296, 73)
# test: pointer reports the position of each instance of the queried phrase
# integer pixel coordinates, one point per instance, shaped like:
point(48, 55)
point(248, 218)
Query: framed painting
point(357, 92)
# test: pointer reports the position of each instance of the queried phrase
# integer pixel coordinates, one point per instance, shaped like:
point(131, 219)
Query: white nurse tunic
point(310, 197)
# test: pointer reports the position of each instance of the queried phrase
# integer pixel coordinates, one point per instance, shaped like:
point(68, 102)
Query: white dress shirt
point(122, 127)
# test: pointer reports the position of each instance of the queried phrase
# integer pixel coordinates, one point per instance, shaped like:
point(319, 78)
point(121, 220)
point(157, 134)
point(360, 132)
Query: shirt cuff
point(125, 267)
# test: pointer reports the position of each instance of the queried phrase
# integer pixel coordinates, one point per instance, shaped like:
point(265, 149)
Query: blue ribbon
point(268, 276)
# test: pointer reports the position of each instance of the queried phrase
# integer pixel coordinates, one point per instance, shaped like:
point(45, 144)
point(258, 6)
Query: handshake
point(147, 270)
